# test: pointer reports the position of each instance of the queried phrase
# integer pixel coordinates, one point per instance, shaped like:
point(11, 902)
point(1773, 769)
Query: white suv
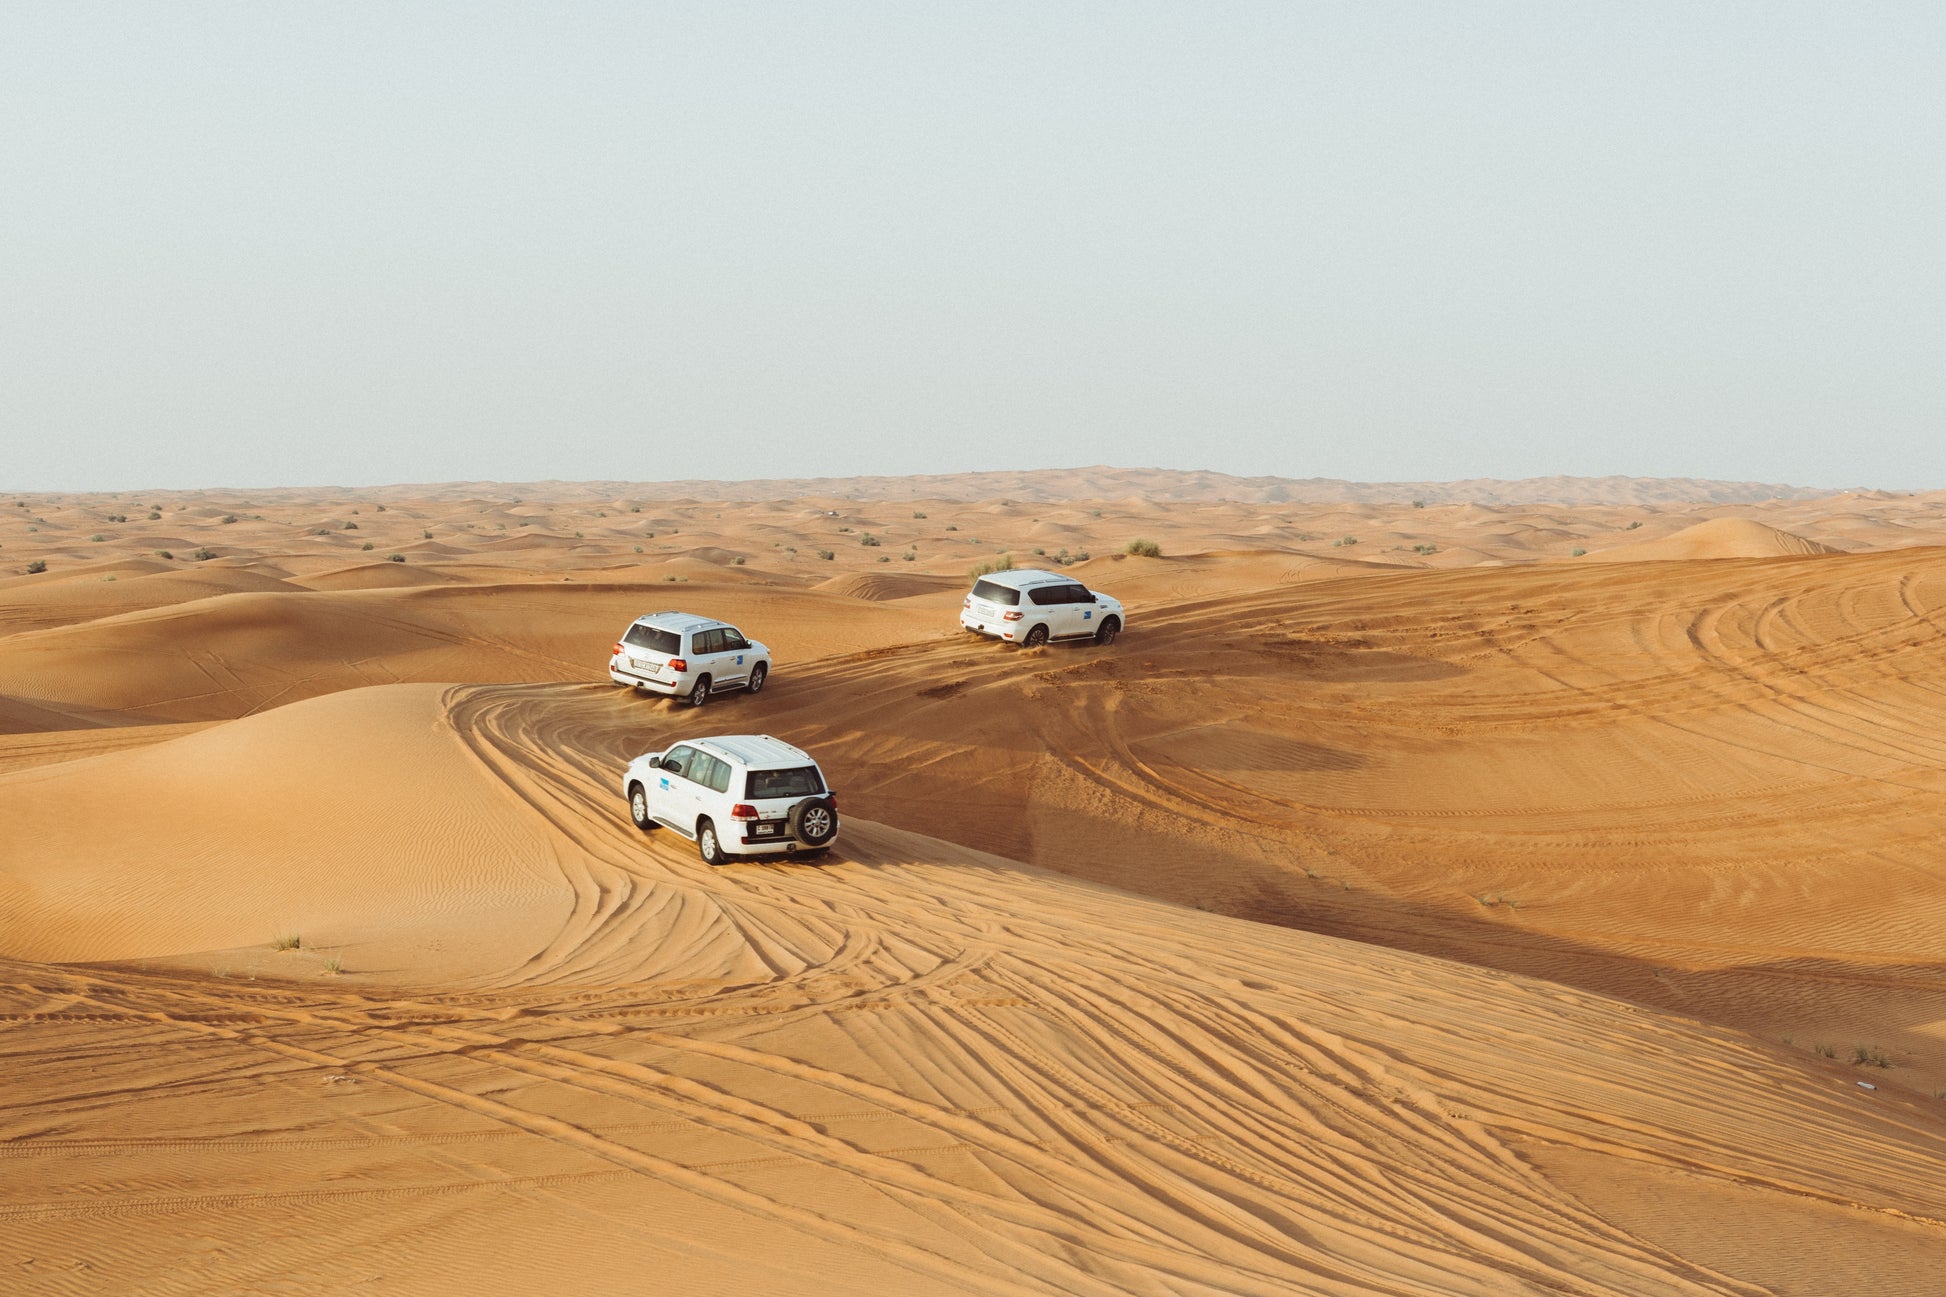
point(682, 655)
point(1031, 607)
point(736, 795)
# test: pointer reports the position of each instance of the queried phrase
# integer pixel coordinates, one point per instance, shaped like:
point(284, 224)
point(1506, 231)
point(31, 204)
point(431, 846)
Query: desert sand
point(1501, 893)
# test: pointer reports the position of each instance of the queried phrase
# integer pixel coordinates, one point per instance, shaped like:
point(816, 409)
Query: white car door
point(709, 657)
point(737, 657)
point(672, 798)
point(1083, 617)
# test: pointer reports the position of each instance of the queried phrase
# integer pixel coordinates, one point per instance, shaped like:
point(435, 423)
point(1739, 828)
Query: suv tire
point(757, 675)
point(1036, 637)
point(699, 692)
point(638, 808)
point(814, 821)
point(1105, 634)
point(707, 845)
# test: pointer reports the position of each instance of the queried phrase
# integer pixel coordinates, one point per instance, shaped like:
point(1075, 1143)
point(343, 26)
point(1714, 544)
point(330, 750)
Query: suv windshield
point(656, 641)
point(994, 592)
point(798, 781)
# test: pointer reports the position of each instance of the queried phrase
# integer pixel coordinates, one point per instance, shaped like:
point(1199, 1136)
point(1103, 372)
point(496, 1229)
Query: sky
point(262, 244)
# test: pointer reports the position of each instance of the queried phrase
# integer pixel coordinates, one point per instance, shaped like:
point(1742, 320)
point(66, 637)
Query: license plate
point(640, 665)
point(766, 830)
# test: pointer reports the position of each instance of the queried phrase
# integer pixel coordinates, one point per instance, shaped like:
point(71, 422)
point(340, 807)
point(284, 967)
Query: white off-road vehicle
point(682, 655)
point(1030, 607)
point(736, 795)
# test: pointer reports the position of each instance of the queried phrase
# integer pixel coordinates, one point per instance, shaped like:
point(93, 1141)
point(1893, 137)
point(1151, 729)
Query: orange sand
point(1443, 913)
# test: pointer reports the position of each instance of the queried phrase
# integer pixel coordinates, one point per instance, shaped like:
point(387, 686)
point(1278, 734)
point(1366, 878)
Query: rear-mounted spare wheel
point(814, 821)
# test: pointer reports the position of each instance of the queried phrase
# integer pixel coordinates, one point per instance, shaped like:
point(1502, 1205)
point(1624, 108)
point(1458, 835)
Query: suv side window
point(1047, 594)
point(707, 641)
point(715, 775)
point(680, 761)
point(733, 642)
point(1079, 594)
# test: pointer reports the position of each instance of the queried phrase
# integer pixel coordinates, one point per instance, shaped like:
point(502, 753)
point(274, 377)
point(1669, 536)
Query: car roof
point(1021, 578)
point(678, 621)
point(754, 751)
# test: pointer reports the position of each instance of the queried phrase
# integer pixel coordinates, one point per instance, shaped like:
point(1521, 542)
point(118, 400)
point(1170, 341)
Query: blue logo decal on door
point(665, 782)
point(1088, 615)
point(739, 659)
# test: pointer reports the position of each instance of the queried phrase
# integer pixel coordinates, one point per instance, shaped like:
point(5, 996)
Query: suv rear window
point(798, 781)
point(994, 592)
point(657, 641)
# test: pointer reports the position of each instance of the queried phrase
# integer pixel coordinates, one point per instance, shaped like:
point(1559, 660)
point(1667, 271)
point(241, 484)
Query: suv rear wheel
point(1036, 637)
point(706, 844)
point(699, 692)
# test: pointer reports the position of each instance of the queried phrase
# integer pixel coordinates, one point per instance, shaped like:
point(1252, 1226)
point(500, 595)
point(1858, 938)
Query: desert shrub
point(1425, 549)
point(638, 549)
point(1001, 563)
point(36, 565)
point(366, 545)
point(334, 965)
point(869, 540)
point(395, 558)
point(1418, 504)
point(163, 553)
point(97, 538)
point(229, 518)
point(426, 534)
point(635, 508)
point(910, 555)
point(381, 508)
point(1576, 552)
point(885, 558)
point(349, 526)
point(1632, 526)
point(951, 527)
point(153, 515)
point(290, 941)
point(118, 517)
point(1143, 549)
point(918, 513)
point(1870, 1056)
point(826, 555)
point(202, 555)
point(737, 561)
point(1038, 550)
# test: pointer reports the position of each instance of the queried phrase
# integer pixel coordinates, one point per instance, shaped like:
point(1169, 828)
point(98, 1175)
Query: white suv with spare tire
point(682, 655)
point(1031, 607)
point(735, 795)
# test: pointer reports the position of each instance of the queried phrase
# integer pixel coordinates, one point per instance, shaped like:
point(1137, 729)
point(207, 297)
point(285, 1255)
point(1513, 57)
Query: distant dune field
point(1468, 896)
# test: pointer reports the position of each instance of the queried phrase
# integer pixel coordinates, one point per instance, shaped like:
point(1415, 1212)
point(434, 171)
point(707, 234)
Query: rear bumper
point(668, 688)
point(1001, 631)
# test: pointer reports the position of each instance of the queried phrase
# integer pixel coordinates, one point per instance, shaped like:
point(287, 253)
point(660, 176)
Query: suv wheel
point(638, 808)
point(757, 674)
point(1107, 632)
point(699, 692)
point(1036, 637)
point(707, 846)
point(814, 821)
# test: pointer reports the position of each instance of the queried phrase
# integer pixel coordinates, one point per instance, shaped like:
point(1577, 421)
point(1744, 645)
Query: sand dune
point(1365, 921)
point(1717, 538)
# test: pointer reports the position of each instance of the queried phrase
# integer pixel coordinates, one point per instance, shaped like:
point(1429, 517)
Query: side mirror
point(655, 763)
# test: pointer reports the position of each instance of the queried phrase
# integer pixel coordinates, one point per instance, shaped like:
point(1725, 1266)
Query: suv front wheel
point(1106, 633)
point(638, 808)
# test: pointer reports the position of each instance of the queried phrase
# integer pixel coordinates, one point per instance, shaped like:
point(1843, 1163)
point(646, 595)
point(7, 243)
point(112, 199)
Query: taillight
point(743, 811)
point(833, 799)
point(616, 651)
point(678, 665)
point(1014, 615)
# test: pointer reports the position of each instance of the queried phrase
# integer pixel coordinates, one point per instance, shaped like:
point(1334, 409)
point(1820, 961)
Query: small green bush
point(1576, 552)
point(229, 518)
point(1418, 504)
point(163, 553)
point(395, 558)
point(36, 566)
point(910, 555)
point(1143, 549)
point(366, 545)
point(97, 537)
point(153, 515)
point(737, 561)
point(349, 526)
point(869, 540)
point(918, 513)
point(201, 555)
point(290, 941)
point(1632, 526)
point(1003, 563)
point(951, 527)
point(826, 555)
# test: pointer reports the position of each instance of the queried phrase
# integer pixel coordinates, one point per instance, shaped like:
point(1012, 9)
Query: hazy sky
point(266, 244)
